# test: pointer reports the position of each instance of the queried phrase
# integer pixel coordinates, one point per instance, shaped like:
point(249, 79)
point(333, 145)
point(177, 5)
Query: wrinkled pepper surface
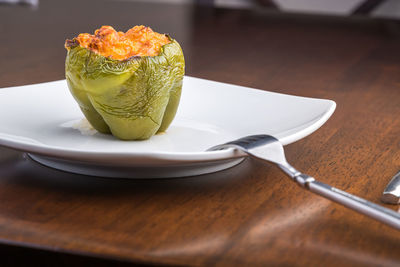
point(131, 91)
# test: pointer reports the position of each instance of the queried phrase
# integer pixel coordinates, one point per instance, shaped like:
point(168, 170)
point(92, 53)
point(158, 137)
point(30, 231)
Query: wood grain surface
point(250, 214)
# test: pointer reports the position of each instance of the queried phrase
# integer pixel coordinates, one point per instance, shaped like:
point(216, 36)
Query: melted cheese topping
point(138, 41)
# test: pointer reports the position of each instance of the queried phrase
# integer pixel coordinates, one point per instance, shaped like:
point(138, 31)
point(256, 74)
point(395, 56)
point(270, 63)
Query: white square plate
point(43, 120)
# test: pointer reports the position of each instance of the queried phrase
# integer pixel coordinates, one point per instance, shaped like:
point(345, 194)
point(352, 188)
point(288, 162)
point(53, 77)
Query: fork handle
point(353, 202)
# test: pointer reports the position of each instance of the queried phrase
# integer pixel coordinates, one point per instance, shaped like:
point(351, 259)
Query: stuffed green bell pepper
point(128, 84)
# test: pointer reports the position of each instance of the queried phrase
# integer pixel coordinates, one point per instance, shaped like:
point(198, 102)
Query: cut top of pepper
point(138, 41)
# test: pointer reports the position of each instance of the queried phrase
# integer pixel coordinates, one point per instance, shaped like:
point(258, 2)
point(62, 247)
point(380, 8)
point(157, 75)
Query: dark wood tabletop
point(250, 214)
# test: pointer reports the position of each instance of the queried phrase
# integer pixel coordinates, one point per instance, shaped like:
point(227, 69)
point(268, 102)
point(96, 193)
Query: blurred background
point(374, 8)
point(282, 22)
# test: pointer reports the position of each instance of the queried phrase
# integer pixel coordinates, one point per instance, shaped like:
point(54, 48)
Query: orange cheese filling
point(138, 41)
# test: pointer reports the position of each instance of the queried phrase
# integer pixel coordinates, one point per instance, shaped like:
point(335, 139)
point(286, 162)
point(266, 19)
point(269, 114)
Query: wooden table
point(250, 214)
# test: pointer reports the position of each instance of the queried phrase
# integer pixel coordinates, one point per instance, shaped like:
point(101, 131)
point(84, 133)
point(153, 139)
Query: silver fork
point(268, 148)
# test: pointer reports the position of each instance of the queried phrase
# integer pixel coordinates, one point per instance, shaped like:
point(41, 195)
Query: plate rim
point(159, 156)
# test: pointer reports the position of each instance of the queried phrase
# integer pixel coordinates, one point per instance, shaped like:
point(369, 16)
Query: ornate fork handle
point(268, 148)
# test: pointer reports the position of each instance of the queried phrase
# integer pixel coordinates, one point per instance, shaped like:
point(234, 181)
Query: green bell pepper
point(134, 98)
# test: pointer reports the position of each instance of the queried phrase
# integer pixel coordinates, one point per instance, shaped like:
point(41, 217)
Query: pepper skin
point(132, 98)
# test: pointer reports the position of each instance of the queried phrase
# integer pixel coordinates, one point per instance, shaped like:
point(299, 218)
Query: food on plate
point(128, 84)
